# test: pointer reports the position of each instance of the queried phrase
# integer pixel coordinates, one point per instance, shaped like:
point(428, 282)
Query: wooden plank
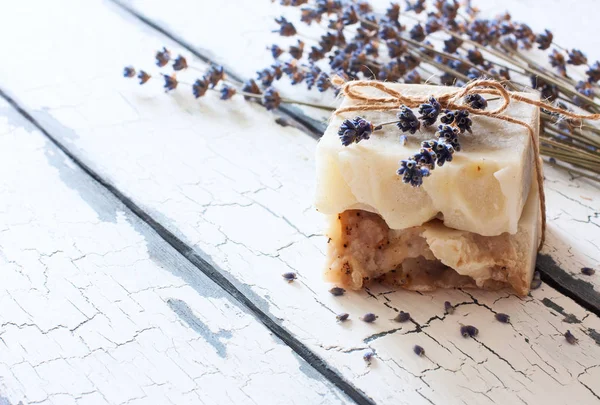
point(573, 238)
point(97, 308)
point(233, 186)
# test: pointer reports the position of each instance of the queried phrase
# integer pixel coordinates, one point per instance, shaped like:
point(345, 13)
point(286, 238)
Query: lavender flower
point(128, 71)
point(412, 173)
point(297, 50)
point(417, 33)
point(311, 76)
point(392, 13)
point(323, 83)
point(536, 282)
point(419, 351)
point(432, 24)
point(426, 157)
point(355, 130)
point(452, 44)
point(475, 56)
point(469, 331)
point(407, 120)
point(276, 51)
point(396, 48)
point(368, 356)
point(412, 77)
point(162, 57)
point(557, 60)
point(342, 317)
point(576, 57)
point(309, 15)
point(402, 317)
point(214, 75)
point(170, 82)
point(315, 54)
point(368, 317)
point(448, 308)
point(337, 291)
point(271, 99)
point(250, 86)
point(418, 6)
point(286, 28)
point(570, 338)
point(476, 101)
point(227, 92)
point(387, 31)
point(180, 63)
point(588, 271)
point(443, 150)
point(199, 87)
point(544, 40)
point(429, 111)
point(266, 77)
point(500, 317)
point(349, 16)
point(462, 121)
point(593, 72)
point(143, 77)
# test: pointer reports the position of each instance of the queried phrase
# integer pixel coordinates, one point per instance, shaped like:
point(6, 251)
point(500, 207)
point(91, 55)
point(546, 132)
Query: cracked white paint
point(84, 313)
point(231, 182)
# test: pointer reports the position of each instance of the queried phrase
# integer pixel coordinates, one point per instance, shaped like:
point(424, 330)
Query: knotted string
point(450, 100)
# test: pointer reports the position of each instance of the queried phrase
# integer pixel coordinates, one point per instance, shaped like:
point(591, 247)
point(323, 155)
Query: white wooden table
point(143, 236)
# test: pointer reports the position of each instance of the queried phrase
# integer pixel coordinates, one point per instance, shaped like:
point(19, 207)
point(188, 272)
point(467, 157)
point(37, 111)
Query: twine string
point(451, 101)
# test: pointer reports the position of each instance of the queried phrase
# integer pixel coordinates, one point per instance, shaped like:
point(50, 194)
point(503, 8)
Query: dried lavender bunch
point(403, 44)
point(215, 76)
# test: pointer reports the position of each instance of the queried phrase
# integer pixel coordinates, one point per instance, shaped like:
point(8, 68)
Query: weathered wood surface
point(574, 226)
point(234, 186)
point(97, 309)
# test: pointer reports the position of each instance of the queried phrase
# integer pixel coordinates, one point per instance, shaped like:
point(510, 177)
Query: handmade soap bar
point(483, 190)
point(362, 248)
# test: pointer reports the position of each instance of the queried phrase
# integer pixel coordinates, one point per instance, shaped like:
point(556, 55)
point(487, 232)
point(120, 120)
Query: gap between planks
point(580, 291)
point(205, 267)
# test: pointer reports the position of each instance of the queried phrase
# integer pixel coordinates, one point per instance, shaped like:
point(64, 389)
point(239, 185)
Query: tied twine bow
point(450, 100)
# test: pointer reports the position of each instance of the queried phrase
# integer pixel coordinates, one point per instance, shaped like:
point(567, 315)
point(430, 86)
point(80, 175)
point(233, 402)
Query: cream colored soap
point(483, 190)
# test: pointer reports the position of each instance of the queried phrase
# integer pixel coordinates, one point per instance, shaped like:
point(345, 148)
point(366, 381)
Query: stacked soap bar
point(474, 221)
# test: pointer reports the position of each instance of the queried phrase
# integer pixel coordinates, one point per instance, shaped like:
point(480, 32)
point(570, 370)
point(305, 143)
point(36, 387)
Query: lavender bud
point(536, 282)
point(368, 317)
point(342, 317)
point(402, 317)
point(588, 271)
point(448, 307)
point(469, 331)
point(502, 317)
point(419, 351)
point(570, 338)
point(289, 277)
point(368, 356)
point(337, 291)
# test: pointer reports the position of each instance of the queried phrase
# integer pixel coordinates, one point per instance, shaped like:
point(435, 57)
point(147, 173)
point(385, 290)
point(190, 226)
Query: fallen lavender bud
point(402, 317)
point(536, 282)
point(368, 356)
point(570, 338)
point(588, 271)
point(342, 317)
point(368, 317)
point(337, 291)
point(469, 331)
point(419, 351)
point(289, 277)
point(448, 307)
point(502, 317)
